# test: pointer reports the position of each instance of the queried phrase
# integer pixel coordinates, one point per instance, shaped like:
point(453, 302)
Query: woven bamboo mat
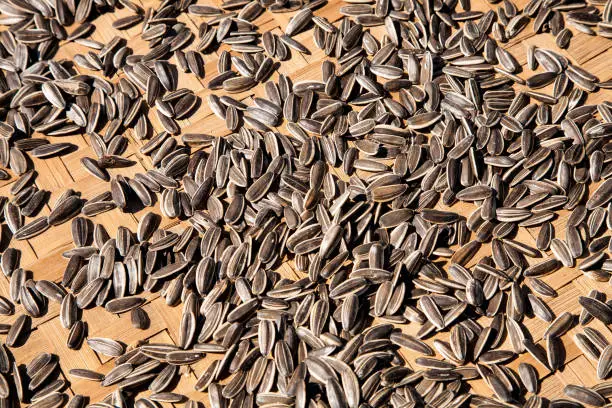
point(42, 255)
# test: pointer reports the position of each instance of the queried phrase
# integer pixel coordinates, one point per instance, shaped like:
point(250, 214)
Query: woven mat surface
point(42, 255)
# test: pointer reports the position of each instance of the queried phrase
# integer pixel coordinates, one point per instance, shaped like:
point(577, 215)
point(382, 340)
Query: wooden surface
point(42, 255)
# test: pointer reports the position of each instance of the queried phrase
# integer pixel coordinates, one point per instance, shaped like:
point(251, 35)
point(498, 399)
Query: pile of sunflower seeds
point(432, 113)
